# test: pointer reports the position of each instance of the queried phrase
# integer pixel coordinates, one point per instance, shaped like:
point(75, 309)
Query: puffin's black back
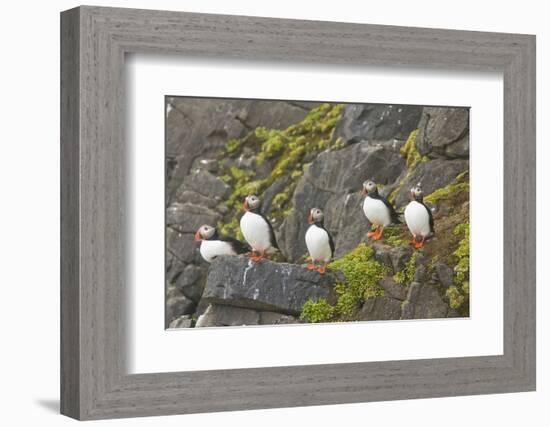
point(238, 246)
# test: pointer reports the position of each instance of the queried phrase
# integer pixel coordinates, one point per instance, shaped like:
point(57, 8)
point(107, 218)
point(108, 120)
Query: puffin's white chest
point(417, 219)
point(317, 242)
point(376, 212)
point(210, 249)
point(256, 231)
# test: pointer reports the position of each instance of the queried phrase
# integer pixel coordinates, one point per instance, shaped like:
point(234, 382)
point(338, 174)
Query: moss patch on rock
point(406, 276)
point(409, 151)
point(317, 311)
point(362, 273)
point(460, 184)
point(455, 297)
point(395, 235)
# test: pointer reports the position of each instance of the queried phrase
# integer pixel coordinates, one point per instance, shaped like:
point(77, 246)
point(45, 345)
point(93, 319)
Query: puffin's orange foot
point(371, 234)
point(322, 269)
point(311, 267)
point(257, 258)
point(378, 234)
point(418, 245)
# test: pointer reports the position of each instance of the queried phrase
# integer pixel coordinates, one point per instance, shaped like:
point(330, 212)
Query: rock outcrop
point(298, 155)
point(265, 286)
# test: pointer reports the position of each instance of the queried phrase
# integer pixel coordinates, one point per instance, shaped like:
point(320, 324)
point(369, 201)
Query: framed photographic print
point(280, 213)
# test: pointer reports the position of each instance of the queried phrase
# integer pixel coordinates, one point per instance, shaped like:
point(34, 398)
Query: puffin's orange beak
point(198, 237)
point(245, 205)
point(310, 218)
point(364, 192)
point(413, 197)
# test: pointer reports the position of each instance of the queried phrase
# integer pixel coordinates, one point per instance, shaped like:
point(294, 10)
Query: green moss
point(406, 276)
point(233, 145)
point(447, 191)
point(274, 142)
point(362, 273)
point(456, 299)
point(459, 293)
point(409, 151)
point(317, 311)
point(394, 236)
point(462, 253)
point(285, 150)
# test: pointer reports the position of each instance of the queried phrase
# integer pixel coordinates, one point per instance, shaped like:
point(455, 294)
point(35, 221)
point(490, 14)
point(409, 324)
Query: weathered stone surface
point(399, 257)
point(394, 257)
point(224, 315)
point(432, 175)
point(181, 322)
point(444, 274)
point(382, 253)
point(381, 308)
point(270, 318)
point(371, 122)
point(191, 281)
point(268, 195)
point(182, 246)
point(266, 286)
point(407, 310)
point(421, 273)
point(345, 170)
point(442, 127)
point(276, 115)
point(174, 267)
point(414, 292)
point(197, 199)
point(426, 302)
point(189, 217)
point(203, 182)
point(394, 290)
point(177, 304)
point(460, 148)
point(198, 127)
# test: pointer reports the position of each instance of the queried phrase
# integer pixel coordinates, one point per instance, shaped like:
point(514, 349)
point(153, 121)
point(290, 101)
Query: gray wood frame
point(94, 41)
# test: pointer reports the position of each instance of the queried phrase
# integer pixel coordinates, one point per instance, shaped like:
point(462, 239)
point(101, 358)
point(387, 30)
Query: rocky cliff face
point(296, 156)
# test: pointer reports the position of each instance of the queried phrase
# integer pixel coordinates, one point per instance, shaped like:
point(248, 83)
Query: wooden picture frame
point(94, 382)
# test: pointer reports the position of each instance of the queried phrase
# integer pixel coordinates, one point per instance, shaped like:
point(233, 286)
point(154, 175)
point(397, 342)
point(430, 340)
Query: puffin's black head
point(417, 193)
point(316, 215)
point(251, 203)
point(369, 187)
point(205, 232)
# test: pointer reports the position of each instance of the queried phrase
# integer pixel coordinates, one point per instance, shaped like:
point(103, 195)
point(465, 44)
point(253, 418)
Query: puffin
point(378, 210)
point(257, 230)
point(318, 241)
point(419, 218)
point(214, 244)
